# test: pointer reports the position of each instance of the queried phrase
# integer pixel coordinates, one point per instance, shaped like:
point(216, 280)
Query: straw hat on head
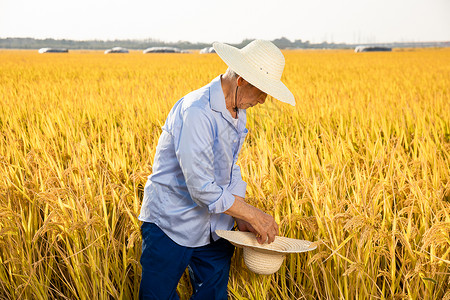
point(261, 63)
point(264, 259)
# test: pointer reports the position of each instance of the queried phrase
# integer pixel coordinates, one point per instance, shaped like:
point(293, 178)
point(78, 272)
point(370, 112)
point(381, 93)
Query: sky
point(349, 21)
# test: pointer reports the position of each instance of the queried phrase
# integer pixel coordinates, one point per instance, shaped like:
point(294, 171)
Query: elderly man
point(196, 186)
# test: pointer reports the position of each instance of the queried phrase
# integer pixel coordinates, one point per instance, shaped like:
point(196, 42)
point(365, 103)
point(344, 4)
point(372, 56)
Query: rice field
point(361, 166)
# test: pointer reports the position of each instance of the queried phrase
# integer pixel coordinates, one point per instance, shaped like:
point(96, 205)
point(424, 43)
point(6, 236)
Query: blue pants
point(164, 262)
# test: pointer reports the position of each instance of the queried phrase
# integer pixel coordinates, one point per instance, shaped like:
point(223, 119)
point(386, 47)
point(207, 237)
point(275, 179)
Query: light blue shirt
point(194, 171)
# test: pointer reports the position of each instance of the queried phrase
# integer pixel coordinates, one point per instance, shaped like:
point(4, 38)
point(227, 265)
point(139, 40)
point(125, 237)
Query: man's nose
point(262, 99)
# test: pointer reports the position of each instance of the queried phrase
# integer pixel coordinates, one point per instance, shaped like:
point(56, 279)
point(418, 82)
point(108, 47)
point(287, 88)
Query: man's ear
point(241, 81)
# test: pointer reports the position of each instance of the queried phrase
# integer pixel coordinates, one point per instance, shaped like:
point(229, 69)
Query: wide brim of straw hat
point(235, 59)
point(265, 259)
point(281, 245)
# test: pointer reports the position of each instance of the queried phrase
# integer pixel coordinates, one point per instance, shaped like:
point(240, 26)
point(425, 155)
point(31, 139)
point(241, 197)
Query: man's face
point(249, 96)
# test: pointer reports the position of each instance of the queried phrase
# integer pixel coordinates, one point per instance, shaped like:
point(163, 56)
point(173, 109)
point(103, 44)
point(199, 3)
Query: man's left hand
point(245, 226)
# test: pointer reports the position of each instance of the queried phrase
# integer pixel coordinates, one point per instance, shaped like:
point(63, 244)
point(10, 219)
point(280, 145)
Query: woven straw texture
point(280, 245)
point(265, 259)
point(261, 63)
point(261, 262)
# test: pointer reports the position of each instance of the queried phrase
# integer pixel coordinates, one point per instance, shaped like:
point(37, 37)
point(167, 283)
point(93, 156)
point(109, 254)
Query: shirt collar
point(217, 98)
point(217, 103)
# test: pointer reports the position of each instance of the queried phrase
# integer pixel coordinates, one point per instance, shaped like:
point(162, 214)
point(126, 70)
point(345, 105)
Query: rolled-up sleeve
point(194, 151)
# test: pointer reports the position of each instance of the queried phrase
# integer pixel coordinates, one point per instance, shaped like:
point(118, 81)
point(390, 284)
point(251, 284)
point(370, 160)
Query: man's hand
point(245, 226)
point(250, 218)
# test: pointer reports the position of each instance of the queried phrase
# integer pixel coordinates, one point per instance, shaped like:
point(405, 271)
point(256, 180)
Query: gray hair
point(232, 73)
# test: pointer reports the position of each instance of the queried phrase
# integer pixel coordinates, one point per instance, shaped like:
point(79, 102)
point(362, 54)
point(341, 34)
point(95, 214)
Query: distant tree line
point(283, 43)
point(31, 43)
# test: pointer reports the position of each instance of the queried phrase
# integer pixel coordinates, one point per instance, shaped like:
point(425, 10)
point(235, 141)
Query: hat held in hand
point(266, 258)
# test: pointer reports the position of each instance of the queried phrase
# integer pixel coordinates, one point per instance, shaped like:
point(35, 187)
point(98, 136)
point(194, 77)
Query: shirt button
point(234, 141)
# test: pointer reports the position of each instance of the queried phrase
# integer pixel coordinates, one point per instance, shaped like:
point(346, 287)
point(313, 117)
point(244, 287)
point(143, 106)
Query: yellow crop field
point(361, 166)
